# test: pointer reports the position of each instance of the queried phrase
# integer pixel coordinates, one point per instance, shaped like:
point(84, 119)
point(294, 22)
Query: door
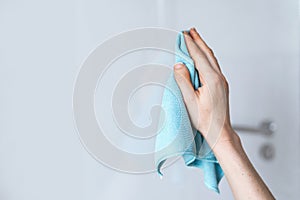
point(43, 45)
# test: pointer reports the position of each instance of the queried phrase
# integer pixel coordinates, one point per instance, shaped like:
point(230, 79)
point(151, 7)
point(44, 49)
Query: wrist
point(228, 140)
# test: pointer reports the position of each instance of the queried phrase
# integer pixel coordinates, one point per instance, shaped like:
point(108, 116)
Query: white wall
point(42, 45)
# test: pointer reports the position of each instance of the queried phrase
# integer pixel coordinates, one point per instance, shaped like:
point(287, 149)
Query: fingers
point(205, 48)
point(202, 64)
point(182, 77)
point(199, 41)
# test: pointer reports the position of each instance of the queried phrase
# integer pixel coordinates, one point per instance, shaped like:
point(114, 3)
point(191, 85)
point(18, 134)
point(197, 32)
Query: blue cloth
point(176, 136)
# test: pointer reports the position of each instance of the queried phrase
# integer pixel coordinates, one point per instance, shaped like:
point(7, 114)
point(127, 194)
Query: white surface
point(43, 45)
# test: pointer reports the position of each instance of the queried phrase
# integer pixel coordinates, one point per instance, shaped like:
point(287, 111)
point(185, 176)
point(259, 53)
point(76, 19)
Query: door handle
point(266, 128)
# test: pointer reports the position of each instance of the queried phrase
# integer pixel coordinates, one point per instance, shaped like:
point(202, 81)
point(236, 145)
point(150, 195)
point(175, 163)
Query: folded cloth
point(176, 136)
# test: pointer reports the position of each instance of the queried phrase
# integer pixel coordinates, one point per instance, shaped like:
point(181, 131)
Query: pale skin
point(209, 105)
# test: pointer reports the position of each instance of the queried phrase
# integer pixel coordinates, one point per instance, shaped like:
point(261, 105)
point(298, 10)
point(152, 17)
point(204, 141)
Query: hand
point(207, 106)
point(208, 109)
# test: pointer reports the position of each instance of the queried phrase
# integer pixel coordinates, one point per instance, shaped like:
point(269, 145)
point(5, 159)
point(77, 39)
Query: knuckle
point(226, 86)
point(190, 99)
point(225, 82)
point(209, 51)
point(217, 80)
point(180, 77)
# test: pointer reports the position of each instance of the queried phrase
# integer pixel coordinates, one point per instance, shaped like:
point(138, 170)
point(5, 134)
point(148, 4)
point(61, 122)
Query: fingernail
point(178, 65)
point(185, 32)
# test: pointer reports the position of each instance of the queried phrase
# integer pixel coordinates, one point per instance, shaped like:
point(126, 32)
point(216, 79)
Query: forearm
point(243, 179)
point(211, 100)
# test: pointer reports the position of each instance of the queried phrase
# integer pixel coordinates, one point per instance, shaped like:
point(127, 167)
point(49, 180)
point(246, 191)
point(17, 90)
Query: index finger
point(202, 64)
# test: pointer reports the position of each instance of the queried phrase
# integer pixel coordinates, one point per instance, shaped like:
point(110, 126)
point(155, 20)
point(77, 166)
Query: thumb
point(182, 77)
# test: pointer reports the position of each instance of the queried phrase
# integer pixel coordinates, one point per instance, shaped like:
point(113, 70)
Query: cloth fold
point(177, 136)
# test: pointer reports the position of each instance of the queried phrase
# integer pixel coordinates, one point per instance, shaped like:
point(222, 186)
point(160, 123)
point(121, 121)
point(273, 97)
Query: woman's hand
point(207, 106)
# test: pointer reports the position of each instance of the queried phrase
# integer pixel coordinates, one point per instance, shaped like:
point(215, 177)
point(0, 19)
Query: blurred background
point(44, 43)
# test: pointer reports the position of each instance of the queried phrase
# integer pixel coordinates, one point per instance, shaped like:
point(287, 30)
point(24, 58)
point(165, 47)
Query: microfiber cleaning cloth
point(177, 136)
